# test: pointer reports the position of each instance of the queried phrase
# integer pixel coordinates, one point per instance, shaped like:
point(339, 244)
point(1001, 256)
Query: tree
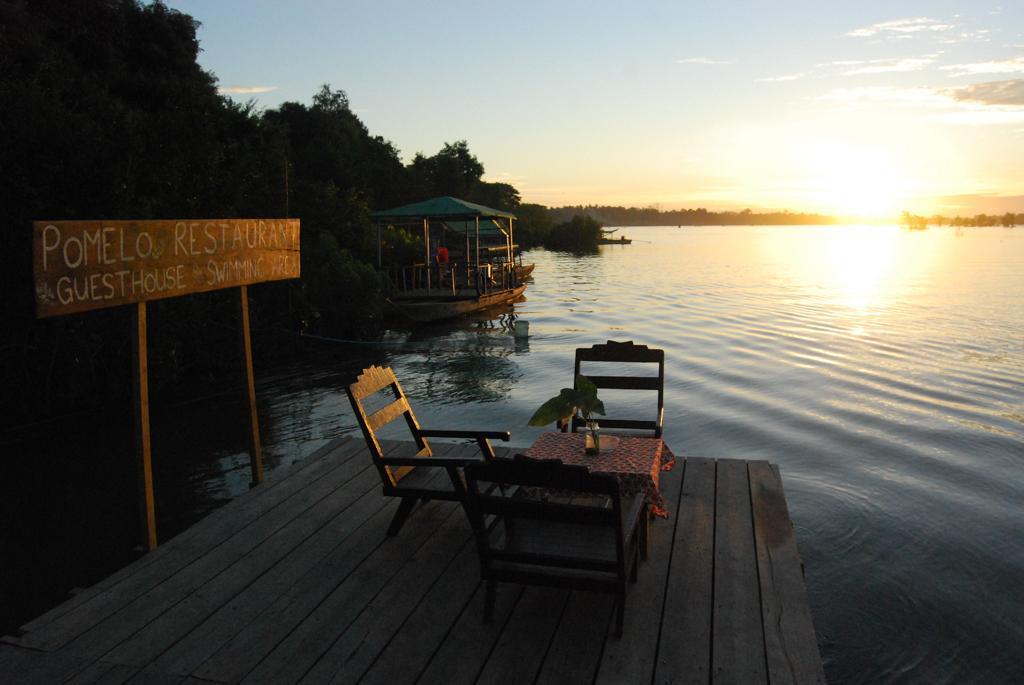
point(454, 171)
point(497, 195)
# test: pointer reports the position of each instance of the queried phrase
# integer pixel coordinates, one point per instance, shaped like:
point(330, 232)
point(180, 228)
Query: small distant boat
point(608, 239)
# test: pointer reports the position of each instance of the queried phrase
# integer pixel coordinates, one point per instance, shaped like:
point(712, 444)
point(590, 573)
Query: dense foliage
point(579, 234)
point(107, 114)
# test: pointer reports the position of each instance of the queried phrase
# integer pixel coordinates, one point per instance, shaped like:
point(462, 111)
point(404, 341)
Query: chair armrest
point(482, 438)
point(505, 436)
point(430, 461)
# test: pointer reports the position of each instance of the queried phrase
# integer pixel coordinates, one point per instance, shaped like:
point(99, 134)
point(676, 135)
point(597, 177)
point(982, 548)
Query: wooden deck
point(296, 582)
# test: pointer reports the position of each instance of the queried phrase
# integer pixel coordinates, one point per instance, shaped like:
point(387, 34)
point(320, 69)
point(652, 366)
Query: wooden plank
point(299, 651)
point(368, 636)
point(790, 640)
point(520, 650)
point(103, 673)
point(151, 676)
point(626, 382)
point(631, 657)
point(335, 577)
point(227, 621)
point(213, 530)
point(387, 414)
point(30, 667)
point(613, 351)
point(424, 631)
point(83, 265)
point(465, 650)
point(372, 380)
point(181, 619)
point(575, 650)
point(737, 643)
point(135, 604)
point(684, 647)
point(249, 383)
point(143, 453)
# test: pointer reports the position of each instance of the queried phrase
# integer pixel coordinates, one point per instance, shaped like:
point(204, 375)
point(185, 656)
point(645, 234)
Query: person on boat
point(441, 260)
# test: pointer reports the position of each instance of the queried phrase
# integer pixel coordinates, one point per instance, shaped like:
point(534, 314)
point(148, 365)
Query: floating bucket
point(521, 329)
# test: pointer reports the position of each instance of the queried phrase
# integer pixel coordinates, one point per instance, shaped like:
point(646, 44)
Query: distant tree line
point(916, 222)
point(652, 216)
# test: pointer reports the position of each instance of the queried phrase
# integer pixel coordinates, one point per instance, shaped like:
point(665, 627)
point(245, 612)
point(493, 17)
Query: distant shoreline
point(650, 216)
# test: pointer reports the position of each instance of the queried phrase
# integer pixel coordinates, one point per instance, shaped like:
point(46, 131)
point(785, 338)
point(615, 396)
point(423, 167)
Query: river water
point(881, 369)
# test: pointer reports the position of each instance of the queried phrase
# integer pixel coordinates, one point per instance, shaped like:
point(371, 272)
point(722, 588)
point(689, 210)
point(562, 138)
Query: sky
point(860, 109)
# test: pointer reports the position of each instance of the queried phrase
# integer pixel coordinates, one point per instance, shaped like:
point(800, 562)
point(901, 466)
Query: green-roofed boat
point(468, 261)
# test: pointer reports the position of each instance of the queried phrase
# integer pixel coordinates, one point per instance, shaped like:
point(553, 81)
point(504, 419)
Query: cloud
point(1001, 93)
point(926, 97)
point(901, 27)
point(702, 60)
point(785, 77)
point(884, 66)
point(997, 102)
point(1014, 65)
point(245, 90)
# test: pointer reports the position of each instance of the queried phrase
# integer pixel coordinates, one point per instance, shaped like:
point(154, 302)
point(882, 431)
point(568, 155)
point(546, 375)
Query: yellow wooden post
point(140, 388)
point(248, 380)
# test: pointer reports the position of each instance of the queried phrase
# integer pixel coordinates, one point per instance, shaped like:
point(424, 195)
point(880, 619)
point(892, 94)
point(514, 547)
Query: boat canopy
point(443, 209)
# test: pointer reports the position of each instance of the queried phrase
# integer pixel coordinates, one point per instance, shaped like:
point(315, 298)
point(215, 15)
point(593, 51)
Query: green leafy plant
point(583, 399)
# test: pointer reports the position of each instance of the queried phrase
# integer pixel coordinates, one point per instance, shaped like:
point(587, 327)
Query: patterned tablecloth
point(635, 462)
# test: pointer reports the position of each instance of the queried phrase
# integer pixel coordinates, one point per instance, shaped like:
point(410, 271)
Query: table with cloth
point(635, 462)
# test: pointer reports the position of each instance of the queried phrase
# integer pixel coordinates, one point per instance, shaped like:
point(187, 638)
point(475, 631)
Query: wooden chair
point(583, 542)
point(411, 477)
point(636, 356)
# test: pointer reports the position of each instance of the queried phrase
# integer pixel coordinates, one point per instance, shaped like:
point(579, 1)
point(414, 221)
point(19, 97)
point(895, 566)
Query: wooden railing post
point(248, 380)
point(140, 391)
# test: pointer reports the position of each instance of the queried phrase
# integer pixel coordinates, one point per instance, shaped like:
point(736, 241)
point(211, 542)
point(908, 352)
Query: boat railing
point(454, 278)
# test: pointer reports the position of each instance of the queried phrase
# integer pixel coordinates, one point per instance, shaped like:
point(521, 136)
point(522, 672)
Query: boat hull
point(437, 308)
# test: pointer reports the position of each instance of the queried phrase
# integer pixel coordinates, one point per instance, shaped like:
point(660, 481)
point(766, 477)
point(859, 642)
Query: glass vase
point(593, 438)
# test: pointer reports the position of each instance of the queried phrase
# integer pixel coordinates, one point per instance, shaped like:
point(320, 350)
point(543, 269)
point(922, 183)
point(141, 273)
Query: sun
point(853, 181)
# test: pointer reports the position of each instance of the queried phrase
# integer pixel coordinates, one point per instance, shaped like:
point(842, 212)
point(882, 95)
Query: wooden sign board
point(83, 265)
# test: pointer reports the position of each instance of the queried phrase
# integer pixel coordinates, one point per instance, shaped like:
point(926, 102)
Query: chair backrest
point(637, 356)
point(367, 385)
point(539, 544)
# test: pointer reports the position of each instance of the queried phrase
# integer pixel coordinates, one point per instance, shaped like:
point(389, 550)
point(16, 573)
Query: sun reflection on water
point(860, 264)
point(864, 270)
